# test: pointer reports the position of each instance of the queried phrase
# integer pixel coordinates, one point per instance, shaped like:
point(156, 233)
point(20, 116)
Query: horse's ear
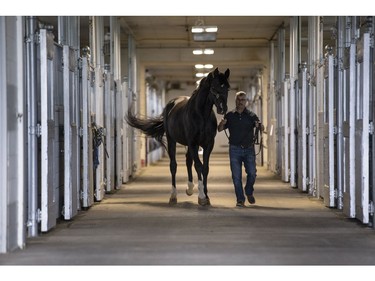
point(216, 72)
point(227, 72)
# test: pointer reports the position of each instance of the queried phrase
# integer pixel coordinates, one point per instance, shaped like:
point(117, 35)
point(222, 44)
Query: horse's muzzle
point(221, 110)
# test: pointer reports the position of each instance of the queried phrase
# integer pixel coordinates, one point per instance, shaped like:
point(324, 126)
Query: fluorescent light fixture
point(210, 29)
point(197, 29)
point(202, 66)
point(208, 51)
point(201, 29)
point(200, 74)
point(203, 51)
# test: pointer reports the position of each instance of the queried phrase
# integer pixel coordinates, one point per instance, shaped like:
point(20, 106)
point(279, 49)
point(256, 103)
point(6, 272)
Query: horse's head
point(219, 87)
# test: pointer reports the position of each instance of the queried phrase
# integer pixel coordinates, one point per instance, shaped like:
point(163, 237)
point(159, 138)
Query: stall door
point(119, 133)
point(328, 133)
point(87, 148)
point(285, 132)
point(71, 151)
point(49, 194)
point(127, 136)
point(349, 132)
point(302, 129)
point(362, 129)
point(12, 139)
point(109, 132)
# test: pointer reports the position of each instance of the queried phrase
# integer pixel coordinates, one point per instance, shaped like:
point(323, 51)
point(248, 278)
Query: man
point(241, 123)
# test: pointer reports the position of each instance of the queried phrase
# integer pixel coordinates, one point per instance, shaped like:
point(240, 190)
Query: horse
point(191, 122)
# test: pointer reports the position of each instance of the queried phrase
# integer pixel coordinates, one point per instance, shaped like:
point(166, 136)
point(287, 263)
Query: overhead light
point(204, 33)
point(201, 29)
point(208, 51)
point(198, 52)
point(197, 29)
point(206, 66)
point(203, 51)
point(200, 74)
point(210, 29)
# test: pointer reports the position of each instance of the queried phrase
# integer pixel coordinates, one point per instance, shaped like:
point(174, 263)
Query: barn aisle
point(136, 226)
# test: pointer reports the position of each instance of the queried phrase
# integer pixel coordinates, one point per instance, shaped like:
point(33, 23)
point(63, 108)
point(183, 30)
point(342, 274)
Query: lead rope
point(98, 139)
point(256, 140)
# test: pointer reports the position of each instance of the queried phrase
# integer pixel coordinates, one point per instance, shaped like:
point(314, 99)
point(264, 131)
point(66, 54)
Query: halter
point(216, 95)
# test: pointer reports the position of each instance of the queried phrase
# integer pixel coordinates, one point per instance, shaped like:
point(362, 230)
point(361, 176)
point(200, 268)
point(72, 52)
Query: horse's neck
point(201, 103)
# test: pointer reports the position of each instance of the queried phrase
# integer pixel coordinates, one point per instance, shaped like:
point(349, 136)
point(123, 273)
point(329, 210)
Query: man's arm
point(221, 125)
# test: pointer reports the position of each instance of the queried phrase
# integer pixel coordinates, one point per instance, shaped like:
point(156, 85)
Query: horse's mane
point(203, 83)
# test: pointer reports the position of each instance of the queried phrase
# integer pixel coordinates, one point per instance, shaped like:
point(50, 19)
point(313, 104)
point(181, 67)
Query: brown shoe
point(240, 204)
point(251, 199)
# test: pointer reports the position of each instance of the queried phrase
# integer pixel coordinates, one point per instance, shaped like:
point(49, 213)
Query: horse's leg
point(189, 164)
point(202, 199)
point(173, 169)
point(206, 167)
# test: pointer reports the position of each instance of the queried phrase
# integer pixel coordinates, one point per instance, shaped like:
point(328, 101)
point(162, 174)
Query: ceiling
point(237, 44)
point(165, 43)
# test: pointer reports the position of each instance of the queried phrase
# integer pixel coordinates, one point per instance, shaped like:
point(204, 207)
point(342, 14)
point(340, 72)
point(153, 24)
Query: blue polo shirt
point(241, 127)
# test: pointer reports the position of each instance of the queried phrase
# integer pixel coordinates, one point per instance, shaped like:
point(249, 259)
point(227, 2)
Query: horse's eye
point(222, 85)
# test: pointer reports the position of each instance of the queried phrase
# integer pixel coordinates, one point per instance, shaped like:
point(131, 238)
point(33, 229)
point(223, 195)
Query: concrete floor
point(136, 226)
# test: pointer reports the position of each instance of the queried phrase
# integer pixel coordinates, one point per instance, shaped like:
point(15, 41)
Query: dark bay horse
point(190, 121)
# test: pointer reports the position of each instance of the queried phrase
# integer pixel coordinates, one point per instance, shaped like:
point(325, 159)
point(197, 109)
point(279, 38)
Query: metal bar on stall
point(366, 121)
point(294, 55)
point(352, 117)
point(21, 137)
point(285, 149)
point(4, 236)
point(87, 190)
point(32, 126)
point(331, 133)
point(108, 129)
point(340, 111)
point(303, 132)
point(68, 179)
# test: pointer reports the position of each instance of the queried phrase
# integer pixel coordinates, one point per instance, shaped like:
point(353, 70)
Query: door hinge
point(335, 130)
point(371, 128)
point(371, 208)
point(39, 215)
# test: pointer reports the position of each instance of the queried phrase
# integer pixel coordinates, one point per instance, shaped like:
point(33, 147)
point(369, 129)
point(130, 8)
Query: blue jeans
point(237, 156)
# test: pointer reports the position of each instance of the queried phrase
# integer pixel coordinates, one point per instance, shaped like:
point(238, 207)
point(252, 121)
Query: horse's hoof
point(172, 201)
point(190, 189)
point(204, 201)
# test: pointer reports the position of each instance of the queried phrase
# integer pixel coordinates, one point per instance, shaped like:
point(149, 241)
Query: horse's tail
point(152, 127)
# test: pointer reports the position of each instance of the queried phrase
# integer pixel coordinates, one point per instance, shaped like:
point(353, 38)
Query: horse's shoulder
point(179, 99)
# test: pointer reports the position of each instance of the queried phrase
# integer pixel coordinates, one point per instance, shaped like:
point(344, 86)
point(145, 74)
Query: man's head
point(241, 101)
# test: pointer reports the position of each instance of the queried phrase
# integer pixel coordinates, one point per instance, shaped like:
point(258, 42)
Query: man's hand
point(221, 124)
